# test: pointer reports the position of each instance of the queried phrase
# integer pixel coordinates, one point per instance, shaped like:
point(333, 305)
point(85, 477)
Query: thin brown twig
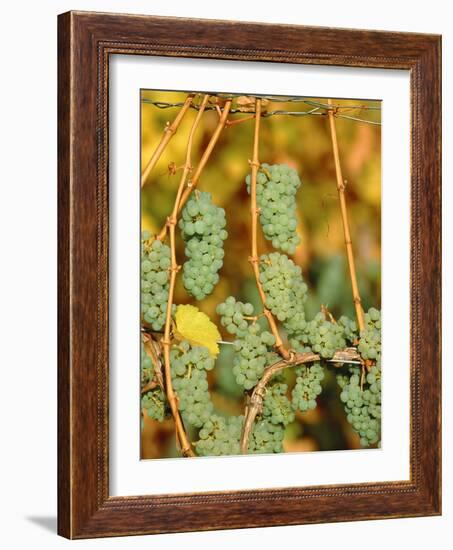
point(344, 216)
point(204, 159)
point(343, 356)
point(230, 123)
point(256, 400)
point(184, 443)
point(169, 132)
point(153, 350)
point(151, 385)
point(325, 310)
point(254, 259)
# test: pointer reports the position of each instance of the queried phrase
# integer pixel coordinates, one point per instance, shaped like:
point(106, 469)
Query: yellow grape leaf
point(195, 326)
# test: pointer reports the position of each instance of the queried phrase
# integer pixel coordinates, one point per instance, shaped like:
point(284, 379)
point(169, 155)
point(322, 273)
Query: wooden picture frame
point(85, 42)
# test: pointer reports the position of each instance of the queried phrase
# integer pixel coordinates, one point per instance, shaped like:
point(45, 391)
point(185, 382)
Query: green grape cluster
point(285, 290)
point(202, 225)
point(266, 437)
point(189, 366)
point(220, 436)
point(363, 405)
point(232, 315)
point(322, 336)
point(276, 405)
point(349, 329)
point(276, 188)
point(146, 366)
point(342, 379)
point(155, 264)
point(370, 339)
point(154, 403)
point(308, 387)
point(252, 356)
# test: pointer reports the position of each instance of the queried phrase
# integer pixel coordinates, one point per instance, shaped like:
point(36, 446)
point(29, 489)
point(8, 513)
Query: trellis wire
point(318, 108)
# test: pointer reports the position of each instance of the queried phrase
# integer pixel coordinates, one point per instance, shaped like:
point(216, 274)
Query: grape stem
point(230, 123)
point(147, 330)
point(255, 405)
point(153, 350)
point(149, 386)
point(327, 314)
point(204, 159)
point(169, 132)
point(253, 259)
point(172, 220)
point(253, 318)
point(344, 215)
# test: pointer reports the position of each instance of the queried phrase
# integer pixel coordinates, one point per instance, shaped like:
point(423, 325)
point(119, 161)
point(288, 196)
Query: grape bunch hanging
point(180, 343)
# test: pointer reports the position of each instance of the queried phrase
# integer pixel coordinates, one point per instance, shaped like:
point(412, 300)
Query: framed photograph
point(249, 275)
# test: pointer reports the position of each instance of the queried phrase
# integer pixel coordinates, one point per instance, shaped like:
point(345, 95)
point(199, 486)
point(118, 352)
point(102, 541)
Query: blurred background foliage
point(304, 144)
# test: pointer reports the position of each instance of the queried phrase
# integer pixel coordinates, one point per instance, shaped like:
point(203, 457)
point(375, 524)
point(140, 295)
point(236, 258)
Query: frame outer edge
point(426, 275)
point(81, 294)
point(435, 61)
point(64, 527)
point(438, 180)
